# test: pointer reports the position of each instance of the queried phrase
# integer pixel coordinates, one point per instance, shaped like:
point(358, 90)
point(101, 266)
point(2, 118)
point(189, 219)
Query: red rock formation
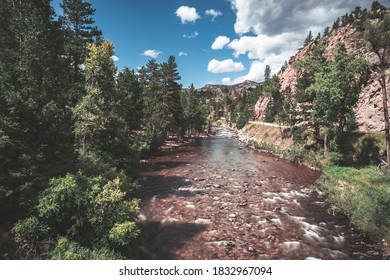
point(369, 109)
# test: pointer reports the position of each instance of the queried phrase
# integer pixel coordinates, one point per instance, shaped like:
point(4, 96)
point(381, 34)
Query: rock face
point(369, 109)
point(217, 92)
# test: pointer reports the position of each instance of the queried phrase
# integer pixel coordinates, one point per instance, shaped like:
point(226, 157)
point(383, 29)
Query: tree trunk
point(326, 144)
point(382, 81)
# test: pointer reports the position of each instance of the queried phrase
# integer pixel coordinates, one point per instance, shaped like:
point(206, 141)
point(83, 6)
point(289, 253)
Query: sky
point(214, 41)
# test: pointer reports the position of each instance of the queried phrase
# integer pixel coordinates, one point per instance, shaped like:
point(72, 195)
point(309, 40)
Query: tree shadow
point(160, 241)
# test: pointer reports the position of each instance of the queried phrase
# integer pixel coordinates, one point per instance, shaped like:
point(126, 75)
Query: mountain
point(369, 108)
point(217, 92)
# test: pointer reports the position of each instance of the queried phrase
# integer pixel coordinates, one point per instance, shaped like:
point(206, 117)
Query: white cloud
point(152, 53)
point(183, 54)
point(220, 42)
point(279, 29)
point(278, 16)
point(193, 35)
point(261, 46)
point(213, 13)
point(225, 66)
point(187, 14)
point(115, 58)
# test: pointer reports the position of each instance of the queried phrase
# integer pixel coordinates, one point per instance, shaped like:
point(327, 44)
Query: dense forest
point(73, 127)
point(72, 131)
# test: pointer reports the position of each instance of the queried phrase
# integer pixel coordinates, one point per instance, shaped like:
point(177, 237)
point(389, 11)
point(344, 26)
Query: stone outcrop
point(217, 92)
point(369, 109)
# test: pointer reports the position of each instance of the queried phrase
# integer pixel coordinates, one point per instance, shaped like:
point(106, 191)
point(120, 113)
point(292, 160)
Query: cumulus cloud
point(213, 13)
point(152, 53)
point(187, 14)
point(270, 32)
point(274, 17)
point(220, 42)
point(193, 35)
point(225, 66)
point(115, 58)
point(183, 54)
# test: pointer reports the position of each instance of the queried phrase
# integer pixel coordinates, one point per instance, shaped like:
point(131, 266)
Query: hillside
point(369, 108)
point(218, 91)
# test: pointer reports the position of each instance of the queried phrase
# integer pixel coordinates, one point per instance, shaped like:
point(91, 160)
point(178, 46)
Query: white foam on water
point(335, 254)
point(313, 236)
point(339, 239)
point(287, 195)
point(278, 198)
point(269, 201)
point(291, 245)
point(202, 221)
point(168, 211)
point(189, 189)
point(269, 194)
point(169, 220)
point(263, 232)
point(315, 228)
point(190, 206)
point(142, 217)
point(298, 194)
point(277, 221)
point(297, 219)
point(296, 202)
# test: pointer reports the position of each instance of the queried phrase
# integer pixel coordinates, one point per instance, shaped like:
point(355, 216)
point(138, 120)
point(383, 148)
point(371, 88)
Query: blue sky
point(214, 41)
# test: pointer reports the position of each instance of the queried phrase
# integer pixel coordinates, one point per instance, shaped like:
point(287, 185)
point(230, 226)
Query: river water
point(216, 199)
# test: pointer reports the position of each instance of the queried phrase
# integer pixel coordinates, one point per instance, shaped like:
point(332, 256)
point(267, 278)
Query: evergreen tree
point(79, 31)
point(171, 96)
point(326, 31)
point(334, 91)
point(34, 120)
point(308, 39)
point(130, 99)
point(267, 73)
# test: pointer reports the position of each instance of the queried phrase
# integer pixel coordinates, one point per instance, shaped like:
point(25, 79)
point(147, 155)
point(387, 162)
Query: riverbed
point(217, 199)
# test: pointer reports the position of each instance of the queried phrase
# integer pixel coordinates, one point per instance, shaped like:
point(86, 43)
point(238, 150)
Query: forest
point(72, 131)
point(74, 128)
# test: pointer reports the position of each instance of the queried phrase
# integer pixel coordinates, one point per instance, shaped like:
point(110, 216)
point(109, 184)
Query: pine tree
point(267, 73)
point(35, 123)
point(171, 96)
point(326, 31)
point(78, 26)
point(308, 39)
point(130, 99)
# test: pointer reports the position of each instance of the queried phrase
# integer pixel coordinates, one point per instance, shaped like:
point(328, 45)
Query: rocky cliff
point(369, 109)
point(217, 92)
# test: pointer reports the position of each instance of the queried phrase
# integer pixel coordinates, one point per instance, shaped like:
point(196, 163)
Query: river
point(216, 199)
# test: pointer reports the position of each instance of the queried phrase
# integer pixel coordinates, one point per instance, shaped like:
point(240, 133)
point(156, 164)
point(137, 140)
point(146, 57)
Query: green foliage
point(332, 88)
point(29, 234)
point(69, 250)
point(363, 194)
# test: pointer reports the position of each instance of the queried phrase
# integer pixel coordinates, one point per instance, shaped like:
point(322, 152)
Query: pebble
point(233, 216)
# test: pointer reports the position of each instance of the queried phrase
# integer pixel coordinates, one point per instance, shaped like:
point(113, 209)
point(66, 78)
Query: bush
point(29, 234)
point(70, 250)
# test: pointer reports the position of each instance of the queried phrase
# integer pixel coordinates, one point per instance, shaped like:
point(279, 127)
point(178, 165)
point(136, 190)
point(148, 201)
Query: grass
point(363, 194)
